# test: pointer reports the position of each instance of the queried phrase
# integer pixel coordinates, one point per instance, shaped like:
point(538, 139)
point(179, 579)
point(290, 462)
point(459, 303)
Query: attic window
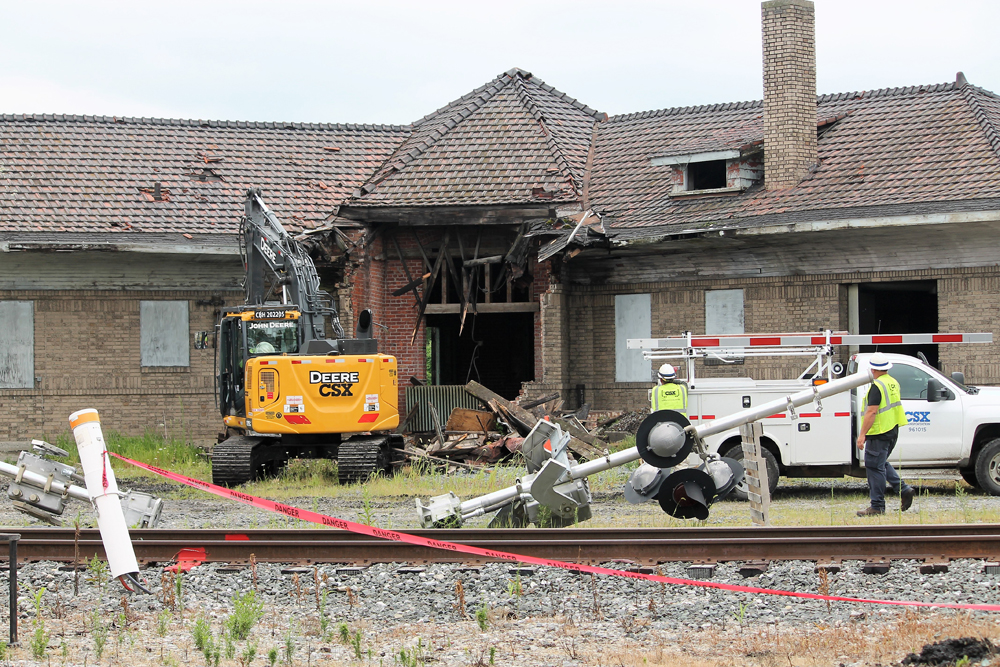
point(707, 175)
point(712, 172)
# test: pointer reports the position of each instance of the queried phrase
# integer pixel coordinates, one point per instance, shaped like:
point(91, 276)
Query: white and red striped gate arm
point(802, 340)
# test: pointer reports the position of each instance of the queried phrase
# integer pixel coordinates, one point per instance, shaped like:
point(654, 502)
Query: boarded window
point(163, 333)
point(17, 345)
point(724, 311)
point(632, 320)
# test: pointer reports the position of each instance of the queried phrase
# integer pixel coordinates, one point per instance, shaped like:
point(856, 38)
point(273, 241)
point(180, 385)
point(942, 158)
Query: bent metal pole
point(103, 489)
point(808, 395)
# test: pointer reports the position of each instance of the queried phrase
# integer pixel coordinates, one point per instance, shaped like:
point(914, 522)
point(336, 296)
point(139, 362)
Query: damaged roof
point(883, 152)
point(100, 174)
point(515, 140)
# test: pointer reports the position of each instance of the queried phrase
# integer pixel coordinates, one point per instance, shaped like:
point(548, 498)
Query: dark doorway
point(898, 308)
point(496, 349)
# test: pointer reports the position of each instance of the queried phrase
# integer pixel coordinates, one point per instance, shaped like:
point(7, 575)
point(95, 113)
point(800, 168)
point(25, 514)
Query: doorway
point(495, 349)
point(899, 308)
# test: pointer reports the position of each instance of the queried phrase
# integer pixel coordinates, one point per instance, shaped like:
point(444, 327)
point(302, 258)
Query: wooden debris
point(527, 405)
point(464, 419)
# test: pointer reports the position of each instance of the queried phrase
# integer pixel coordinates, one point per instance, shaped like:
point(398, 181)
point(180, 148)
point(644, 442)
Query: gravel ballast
point(446, 614)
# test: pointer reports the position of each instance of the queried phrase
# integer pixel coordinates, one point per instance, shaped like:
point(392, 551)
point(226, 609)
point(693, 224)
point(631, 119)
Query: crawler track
point(930, 543)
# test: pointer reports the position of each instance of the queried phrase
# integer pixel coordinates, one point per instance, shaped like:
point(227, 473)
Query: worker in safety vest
point(669, 393)
point(883, 415)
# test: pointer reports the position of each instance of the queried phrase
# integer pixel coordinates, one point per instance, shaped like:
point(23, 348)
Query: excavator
point(284, 388)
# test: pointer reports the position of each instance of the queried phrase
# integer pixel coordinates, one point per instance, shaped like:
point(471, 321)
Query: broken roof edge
point(190, 122)
point(636, 236)
point(820, 99)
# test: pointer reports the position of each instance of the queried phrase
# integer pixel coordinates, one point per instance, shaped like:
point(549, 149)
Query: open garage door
point(898, 308)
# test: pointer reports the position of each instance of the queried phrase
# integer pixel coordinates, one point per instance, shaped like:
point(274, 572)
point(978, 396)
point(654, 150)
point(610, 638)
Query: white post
point(103, 489)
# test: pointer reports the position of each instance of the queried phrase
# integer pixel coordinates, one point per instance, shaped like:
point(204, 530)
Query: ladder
point(729, 348)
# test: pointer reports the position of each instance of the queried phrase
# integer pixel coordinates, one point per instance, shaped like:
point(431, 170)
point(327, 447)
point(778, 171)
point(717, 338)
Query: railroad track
point(933, 544)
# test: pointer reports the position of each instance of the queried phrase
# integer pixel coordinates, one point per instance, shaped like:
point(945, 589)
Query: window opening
point(709, 175)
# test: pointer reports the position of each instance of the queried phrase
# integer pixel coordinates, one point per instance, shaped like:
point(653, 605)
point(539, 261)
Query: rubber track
point(232, 461)
point(358, 458)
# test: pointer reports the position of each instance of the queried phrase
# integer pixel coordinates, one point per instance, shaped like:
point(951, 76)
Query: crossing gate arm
point(803, 340)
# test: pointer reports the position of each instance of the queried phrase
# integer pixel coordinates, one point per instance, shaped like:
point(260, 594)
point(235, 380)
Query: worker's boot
point(870, 511)
point(906, 498)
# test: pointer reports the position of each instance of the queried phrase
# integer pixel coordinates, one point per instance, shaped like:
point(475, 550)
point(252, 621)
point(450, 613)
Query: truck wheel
point(988, 467)
point(740, 492)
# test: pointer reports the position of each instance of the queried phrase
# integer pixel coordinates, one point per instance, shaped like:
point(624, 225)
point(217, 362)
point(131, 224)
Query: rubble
point(475, 438)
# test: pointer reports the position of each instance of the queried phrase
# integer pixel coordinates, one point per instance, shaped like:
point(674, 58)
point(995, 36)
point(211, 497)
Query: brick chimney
point(789, 91)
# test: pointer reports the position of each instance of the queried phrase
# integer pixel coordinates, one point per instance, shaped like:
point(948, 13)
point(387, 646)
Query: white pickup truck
point(951, 425)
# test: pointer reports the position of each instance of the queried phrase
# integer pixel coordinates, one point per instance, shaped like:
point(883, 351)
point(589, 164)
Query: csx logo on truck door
point(918, 417)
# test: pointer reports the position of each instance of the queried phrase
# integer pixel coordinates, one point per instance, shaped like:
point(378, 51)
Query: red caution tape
point(315, 517)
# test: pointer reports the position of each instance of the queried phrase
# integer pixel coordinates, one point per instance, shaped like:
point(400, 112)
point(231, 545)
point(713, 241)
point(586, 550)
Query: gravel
point(530, 616)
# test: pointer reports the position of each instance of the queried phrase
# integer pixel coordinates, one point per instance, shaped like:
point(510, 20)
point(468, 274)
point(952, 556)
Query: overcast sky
point(387, 61)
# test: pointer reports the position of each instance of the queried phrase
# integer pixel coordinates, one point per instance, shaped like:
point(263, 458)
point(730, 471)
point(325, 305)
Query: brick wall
point(967, 300)
point(87, 355)
point(789, 91)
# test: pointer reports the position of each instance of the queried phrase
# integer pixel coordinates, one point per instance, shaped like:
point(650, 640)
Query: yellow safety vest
point(890, 409)
point(670, 396)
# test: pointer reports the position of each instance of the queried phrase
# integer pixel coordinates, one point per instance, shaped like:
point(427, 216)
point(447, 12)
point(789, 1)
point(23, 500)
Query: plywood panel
point(17, 345)
point(633, 319)
point(163, 333)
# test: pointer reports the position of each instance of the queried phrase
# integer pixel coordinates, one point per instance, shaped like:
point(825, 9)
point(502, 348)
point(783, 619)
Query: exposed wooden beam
point(482, 308)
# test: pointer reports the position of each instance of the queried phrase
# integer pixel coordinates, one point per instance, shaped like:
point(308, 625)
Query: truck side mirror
point(938, 392)
point(958, 376)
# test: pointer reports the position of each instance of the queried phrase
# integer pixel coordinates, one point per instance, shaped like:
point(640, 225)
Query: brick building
point(534, 235)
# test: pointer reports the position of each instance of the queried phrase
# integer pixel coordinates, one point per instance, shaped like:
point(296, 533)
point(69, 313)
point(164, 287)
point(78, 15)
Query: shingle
point(84, 173)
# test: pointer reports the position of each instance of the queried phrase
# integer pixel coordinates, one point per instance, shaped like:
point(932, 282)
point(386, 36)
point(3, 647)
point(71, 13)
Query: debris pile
point(475, 438)
point(967, 650)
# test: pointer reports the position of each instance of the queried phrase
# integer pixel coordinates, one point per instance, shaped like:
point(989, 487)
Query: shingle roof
point(98, 174)
point(895, 147)
point(514, 140)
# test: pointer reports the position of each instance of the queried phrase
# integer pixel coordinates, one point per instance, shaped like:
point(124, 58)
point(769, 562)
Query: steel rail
point(936, 543)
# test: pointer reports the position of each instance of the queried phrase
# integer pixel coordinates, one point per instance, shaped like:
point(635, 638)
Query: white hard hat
point(667, 372)
point(879, 362)
point(264, 347)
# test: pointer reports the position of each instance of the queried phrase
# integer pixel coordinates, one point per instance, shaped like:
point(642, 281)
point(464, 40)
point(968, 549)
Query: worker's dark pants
point(880, 471)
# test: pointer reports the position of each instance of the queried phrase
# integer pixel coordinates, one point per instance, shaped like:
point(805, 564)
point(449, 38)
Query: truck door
point(934, 434)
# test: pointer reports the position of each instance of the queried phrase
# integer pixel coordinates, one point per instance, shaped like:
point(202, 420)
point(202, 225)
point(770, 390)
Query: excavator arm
point(279, 269)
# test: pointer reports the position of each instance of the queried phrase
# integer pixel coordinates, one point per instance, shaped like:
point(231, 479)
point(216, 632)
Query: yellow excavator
point(284, 388)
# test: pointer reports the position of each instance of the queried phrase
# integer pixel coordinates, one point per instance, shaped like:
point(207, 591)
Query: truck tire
point(773, 472)
point(988, 467)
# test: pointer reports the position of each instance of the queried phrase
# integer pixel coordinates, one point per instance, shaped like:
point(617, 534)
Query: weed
point(99, 574)
point(963, 661)
point(367, 513)
point(272, 656)
point(179, 591)
point(289, 646)
point(963, 501)
point(482, 617)
point(39, 641)
point(493, 655)
point(100, 632)
point(4, 651)
point(356, 644)
point(514, 587)
point(247, 610)
point(460, 599)
point(324, 620)
point(202, 633)
point(163, 623)
point(249, 653)
point(740, 615)
point(345, 633)
point(230, 646)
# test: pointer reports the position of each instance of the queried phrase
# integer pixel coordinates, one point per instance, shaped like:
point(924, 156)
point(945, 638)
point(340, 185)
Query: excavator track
point(361, 457)
point(233, 460)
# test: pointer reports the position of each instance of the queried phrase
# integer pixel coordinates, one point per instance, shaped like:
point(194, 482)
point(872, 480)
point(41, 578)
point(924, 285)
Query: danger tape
point(363, 529)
